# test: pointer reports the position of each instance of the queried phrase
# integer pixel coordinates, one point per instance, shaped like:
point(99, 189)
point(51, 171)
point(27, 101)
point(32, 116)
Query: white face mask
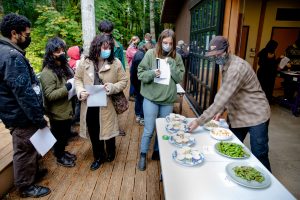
point(166, 47)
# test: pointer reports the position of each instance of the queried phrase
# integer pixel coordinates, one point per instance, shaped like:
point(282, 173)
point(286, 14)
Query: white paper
point(283, 62)
point(43, 140)
point(165, 73)
point(97, 95)
point(164, 68)
point(72, 91)
point(164, 81)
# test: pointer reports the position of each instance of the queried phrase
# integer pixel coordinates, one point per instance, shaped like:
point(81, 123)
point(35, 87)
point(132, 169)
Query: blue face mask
point(105, 54)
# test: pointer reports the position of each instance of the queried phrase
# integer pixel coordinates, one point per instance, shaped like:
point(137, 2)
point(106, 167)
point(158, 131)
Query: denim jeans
point(138, 106)
point(258, 140)
point(151, 112)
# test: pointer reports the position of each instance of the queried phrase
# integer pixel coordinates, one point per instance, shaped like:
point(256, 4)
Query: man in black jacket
point(21, 106)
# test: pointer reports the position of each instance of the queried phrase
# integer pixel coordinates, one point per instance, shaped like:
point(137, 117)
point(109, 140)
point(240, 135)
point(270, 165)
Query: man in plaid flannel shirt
point(242, 97)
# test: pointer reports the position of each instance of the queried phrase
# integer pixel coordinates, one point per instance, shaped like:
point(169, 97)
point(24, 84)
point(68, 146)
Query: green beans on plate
point(231, 150)
point(248, 173)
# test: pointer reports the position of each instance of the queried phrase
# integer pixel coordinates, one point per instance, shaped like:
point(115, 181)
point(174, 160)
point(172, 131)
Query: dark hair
point(95, 48)
point(164, 34)
point(80, 50)
point(271, 46)
point(53, 45)
point(106, 26)
point(15, 22)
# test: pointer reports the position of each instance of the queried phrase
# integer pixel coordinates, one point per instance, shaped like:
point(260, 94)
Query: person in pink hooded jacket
point(74, 53)
point(131, 50)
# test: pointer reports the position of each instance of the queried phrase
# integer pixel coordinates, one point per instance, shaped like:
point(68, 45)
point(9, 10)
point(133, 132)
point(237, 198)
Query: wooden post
point(259, 33)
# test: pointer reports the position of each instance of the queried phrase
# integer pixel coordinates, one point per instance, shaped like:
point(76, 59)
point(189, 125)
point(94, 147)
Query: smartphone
point(157, 63)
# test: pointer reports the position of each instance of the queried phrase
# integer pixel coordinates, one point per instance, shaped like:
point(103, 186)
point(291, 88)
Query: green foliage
point(49, 24)
point(128, 17)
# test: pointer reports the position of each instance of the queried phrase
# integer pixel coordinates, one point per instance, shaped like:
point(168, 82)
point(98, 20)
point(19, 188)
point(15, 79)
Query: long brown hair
point(164, 34)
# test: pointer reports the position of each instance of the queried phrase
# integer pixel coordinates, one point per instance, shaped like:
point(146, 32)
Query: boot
point(142, 162)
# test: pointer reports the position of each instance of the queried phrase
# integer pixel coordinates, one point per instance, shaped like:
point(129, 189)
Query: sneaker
point(137, 119)
point(70, 156)
point(142, 122)
point(65, 161)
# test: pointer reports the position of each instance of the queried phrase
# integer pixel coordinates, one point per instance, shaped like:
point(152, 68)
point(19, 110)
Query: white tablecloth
point(208, 180)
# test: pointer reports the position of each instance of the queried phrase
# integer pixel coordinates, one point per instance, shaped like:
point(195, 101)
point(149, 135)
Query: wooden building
point(248, 25)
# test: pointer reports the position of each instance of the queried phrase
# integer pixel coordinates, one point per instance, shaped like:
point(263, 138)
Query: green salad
point(248, 173)
point(232, 150)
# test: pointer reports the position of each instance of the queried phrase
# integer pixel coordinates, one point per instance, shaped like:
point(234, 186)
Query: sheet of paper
point(43, 140)
point(164, 81)
point(165, 73)
point(72, 91)
point(283, 62)
point(164, 68)
point(97, 95)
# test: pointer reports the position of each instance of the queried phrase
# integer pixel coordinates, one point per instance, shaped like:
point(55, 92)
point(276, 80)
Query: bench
point(6, 158)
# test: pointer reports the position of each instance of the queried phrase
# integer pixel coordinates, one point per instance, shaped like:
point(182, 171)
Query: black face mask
point(25, 44)
point(62, 58)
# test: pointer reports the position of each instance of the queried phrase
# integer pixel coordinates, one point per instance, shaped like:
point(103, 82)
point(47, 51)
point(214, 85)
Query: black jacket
point(138, 57)
point(21, 102)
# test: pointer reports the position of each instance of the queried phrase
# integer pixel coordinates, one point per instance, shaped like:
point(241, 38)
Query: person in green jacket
point(147, 38)
point(107, 27)
point(158, 97)
point(53, 78)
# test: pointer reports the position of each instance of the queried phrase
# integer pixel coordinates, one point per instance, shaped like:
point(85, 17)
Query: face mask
point(25, 44)
point(105, 54)
point(166, 47)
point(221, 60)
point(62, 58)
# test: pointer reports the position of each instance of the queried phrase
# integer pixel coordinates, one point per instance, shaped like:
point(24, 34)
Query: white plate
point(191, 142)
point(219, 152)
point(173, 130)
point(243, 182)
point(217, 133)
point(207, 127)
point(191, 163)
point(183, 119)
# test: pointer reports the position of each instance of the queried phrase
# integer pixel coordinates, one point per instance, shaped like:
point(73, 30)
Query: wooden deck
point(119, 179)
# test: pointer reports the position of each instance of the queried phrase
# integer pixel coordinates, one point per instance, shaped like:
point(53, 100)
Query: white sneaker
point(137, 119)
point(142, 122)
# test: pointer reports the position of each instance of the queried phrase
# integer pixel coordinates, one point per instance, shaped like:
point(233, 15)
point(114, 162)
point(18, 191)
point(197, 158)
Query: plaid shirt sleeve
point(230, 86)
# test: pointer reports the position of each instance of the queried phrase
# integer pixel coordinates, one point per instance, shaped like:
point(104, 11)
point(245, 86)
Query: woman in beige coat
point(100, 67)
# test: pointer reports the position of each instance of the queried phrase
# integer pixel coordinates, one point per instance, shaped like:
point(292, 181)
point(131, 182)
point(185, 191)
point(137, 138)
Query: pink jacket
point(74, 54)
point(131, 50)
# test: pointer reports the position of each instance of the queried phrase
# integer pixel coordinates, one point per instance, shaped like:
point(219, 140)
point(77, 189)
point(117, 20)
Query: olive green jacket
point(56, 103)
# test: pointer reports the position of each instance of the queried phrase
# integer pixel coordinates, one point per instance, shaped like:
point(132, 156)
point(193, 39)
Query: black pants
point(25, 156)
point(92, 121)
point(60, 129)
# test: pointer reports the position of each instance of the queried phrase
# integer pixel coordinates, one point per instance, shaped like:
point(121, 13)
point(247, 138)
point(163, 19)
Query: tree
point(152, 25)
point(88, 23)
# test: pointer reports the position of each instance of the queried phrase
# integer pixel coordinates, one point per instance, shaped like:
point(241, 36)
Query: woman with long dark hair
point(54, 76)
point(268, 64)
point(100, 67)
point(158, 98)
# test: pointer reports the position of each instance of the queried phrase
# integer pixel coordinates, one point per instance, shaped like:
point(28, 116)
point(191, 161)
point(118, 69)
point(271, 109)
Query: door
point(202, 75)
